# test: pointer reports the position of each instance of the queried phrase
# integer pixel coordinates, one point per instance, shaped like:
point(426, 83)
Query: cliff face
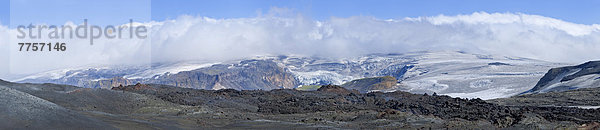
point(247, 75)
point(112, 82)
point(187, 79)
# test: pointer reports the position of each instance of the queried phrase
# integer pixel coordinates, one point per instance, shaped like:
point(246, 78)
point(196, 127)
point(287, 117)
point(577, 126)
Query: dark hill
point(566, 74)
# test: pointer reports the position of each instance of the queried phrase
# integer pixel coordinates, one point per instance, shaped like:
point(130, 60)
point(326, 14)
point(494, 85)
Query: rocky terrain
point(584, 98)
point(20, 110)
point(336, 98)
point(150, 106)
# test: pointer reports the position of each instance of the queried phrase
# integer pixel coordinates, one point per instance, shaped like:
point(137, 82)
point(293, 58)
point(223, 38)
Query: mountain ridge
point(455, 73)
point(564, 78)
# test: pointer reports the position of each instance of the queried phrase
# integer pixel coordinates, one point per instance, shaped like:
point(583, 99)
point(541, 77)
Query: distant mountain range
point(453, 73)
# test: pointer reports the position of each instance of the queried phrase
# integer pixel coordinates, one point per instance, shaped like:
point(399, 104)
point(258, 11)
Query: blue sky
point(109, 11)
point(4, 14)
point(582, 11)
point(57, 12)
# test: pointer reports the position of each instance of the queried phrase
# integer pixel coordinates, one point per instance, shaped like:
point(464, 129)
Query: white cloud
point(202, 38)
point(510, 34)
point(510, 18)
point(78, 53)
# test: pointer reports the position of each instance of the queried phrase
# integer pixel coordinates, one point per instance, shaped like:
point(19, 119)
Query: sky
point(57, 12)
point(219, 30)
point(4, 12)
point(581, 11)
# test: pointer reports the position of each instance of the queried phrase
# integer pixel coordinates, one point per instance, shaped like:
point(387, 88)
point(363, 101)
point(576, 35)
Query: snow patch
point(585, 81)
point(431, 85)
point(586, 107)
point(54, 74)
point(168, 69)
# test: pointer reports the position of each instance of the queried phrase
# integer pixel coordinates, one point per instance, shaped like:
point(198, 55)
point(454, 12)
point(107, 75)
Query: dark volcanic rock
point(336, 89)
point(571, 98)
point(335, 98)
point(137, 86)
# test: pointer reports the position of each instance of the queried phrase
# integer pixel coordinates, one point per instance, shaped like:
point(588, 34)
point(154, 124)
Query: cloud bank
point(208, 39)
point(513, 34)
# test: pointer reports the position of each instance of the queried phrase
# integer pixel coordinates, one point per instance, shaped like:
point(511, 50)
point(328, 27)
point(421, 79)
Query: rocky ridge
point(585, 75)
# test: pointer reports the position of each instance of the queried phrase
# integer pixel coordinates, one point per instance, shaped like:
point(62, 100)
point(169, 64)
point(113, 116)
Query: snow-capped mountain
point(87, 76)
point(453, 73)
point(586, 75)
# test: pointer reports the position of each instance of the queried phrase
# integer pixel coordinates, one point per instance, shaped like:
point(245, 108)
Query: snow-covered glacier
point(452, 73)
